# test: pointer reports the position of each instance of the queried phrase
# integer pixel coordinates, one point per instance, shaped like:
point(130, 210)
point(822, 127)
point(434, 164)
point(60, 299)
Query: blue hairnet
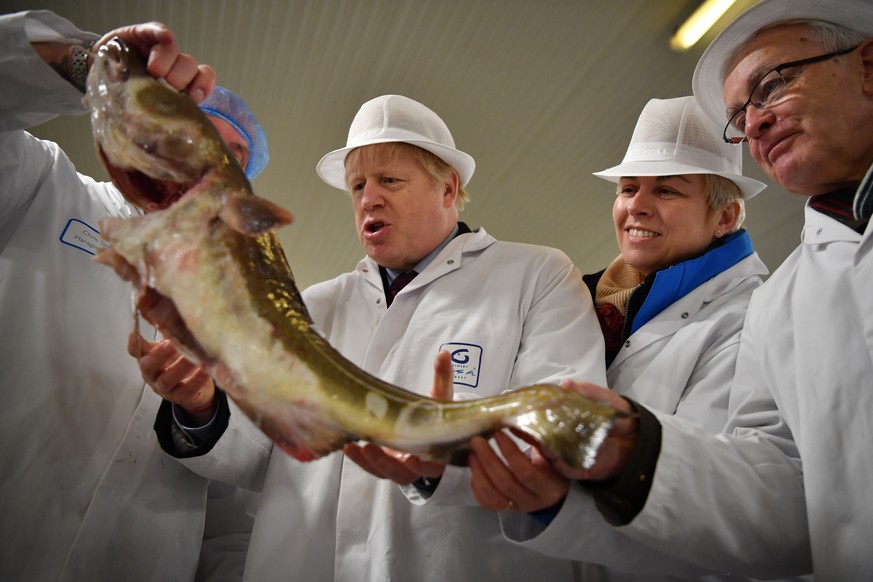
point(225, 104)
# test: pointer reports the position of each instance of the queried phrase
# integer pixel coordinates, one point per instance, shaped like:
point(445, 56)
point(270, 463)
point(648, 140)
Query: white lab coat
point(743, 501)
point(230, 516)
point(681, 362)
point(803, 389)
point(527, 314)
point(85, 491)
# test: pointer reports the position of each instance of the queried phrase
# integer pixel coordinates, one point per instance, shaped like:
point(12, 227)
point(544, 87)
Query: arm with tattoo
point(71, 61)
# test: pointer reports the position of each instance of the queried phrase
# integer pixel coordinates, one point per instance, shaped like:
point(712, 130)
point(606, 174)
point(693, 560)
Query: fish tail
point(568, 425)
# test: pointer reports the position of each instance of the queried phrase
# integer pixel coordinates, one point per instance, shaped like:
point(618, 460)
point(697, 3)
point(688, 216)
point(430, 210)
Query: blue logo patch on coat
point(466, 362)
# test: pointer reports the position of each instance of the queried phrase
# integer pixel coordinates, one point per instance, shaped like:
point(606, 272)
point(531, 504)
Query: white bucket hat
point(710, 71)
point(673, 137)
point(394, 118)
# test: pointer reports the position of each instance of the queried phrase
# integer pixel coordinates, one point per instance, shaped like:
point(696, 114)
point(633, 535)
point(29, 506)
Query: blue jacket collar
point(673, 283)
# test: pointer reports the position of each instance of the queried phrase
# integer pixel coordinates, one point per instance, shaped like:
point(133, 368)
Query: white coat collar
point(821, 229)
point(451, 258)
point(685, 310)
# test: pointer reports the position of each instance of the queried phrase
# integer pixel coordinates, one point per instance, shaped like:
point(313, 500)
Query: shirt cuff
point(184, 442)
point(426, 485)
point(548, 514)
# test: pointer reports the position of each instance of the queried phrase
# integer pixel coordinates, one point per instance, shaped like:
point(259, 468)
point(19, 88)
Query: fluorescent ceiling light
point(698, 23)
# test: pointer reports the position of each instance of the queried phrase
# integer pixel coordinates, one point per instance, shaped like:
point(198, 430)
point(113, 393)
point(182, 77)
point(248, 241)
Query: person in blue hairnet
point(230, 510)
point(239, 128)
point(85, 491)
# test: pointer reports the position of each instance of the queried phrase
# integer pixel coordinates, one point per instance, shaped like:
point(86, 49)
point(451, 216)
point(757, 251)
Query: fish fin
point(251, 216)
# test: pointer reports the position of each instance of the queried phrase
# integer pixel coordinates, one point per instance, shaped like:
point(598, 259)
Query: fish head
point(155, 142)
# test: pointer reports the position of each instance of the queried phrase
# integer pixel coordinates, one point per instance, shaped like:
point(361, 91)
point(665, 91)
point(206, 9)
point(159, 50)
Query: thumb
point(135, 344)
point(443, 388)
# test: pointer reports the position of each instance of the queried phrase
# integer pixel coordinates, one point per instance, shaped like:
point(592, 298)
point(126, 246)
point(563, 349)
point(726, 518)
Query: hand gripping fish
point(209, 247)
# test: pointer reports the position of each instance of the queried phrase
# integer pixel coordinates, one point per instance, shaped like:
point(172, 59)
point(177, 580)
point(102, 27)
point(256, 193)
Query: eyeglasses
point(769, 90)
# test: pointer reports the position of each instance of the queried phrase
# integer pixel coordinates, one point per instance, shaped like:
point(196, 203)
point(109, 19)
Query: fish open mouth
point(150, 157)
point(142, 190)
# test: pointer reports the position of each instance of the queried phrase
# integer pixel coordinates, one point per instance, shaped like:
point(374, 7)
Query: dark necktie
point(399, 283)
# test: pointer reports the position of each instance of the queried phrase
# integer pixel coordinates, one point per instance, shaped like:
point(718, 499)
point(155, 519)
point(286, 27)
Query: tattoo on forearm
point(70, 61)
point(62, 67)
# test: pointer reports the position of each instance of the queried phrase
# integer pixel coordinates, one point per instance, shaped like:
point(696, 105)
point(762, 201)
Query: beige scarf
point(617, 283)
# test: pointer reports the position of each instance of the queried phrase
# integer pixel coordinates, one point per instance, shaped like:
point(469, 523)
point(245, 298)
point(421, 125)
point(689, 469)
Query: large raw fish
point(208, 245)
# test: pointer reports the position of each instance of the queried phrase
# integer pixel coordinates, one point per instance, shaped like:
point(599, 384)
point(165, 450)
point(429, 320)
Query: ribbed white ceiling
point(540, 92)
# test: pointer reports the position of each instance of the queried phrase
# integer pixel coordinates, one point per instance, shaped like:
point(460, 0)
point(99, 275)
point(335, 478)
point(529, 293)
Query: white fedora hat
point(394, 118)
point(674, 137)
point(710, 71)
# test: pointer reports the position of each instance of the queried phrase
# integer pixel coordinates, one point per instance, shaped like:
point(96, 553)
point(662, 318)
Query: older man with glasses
point(771, 90)
point(785, 489)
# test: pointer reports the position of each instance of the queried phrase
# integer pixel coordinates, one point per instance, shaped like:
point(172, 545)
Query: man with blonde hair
point(509, 314)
